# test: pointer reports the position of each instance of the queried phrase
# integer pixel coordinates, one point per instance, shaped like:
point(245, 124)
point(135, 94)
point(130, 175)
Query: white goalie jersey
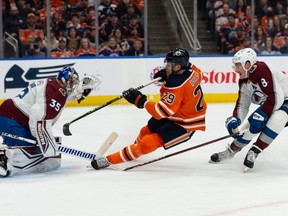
point(38, 107)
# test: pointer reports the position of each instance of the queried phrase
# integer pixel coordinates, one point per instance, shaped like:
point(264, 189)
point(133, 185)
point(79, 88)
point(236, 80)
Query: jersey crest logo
point(63, 92)
point(16, 77)
point(253, 68)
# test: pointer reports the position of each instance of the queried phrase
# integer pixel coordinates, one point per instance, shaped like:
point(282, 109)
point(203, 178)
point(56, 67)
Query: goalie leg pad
point(29, 159)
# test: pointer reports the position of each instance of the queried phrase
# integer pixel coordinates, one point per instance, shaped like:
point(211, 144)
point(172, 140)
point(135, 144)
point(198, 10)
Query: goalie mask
point(69, 77)
point(178, 56)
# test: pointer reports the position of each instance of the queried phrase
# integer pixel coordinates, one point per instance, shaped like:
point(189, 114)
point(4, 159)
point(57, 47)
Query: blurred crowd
point(72, 27)
point(230, 21)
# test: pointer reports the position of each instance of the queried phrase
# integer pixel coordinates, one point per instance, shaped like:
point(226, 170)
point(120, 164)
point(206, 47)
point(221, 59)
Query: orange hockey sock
point(147, 144)
point(143, 132)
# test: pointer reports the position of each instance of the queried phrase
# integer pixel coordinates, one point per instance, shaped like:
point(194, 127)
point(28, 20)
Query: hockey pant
point(275, 124)
point(158, 133)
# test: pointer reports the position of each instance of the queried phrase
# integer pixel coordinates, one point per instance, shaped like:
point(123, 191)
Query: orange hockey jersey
point(182, 101)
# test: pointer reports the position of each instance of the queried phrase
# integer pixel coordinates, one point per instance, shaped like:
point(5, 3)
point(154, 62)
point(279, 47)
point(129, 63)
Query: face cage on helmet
point(72, 81)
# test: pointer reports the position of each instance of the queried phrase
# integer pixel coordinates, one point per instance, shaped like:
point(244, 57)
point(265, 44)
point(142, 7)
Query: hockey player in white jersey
point(263, 84)
point(31, 114)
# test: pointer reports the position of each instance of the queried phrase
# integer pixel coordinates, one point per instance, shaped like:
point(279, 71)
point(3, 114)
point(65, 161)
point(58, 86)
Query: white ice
point(183, 185)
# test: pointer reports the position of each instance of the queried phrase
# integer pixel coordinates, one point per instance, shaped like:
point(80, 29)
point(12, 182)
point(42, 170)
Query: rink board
point(219, 82)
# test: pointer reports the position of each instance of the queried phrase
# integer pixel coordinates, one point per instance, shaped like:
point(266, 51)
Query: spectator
point(277, 27)
point(125, 19)
point(76, 23)
point(284, 47)
point(29, 32)
point(260, 38)
point(111, 49)
point(240, 9)
point(104, 7)
point(58, 25)
point(73, 39)
point(136, 49)
point(53, 41)
point(62, 51)
point(24, 10)
point(13, 23)
point(223, 16)
point(134, 30)
point(236, 43)
point(267, 20)
point(121, 41)
point(123, 6)
point(37, 49)
point(269, 48)
point(261, 8)
point(85, 49)
point(280, 9)
point(227, 31)
point(111, 26)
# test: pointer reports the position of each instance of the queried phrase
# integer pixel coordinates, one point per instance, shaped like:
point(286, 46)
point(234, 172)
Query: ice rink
point(184, 185)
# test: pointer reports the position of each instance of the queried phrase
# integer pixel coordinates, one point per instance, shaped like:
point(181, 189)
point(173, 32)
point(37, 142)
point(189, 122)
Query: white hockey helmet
point(244, 55)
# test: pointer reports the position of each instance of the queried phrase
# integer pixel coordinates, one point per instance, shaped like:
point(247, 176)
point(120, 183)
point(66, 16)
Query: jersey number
point(199, 106)
point(55, 104)
point(169, 98)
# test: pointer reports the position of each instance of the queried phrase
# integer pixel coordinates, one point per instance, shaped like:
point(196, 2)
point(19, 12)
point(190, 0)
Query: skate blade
point(246, 169)
point(214, 162)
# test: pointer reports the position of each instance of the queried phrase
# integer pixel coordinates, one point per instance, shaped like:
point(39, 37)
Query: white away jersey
point(266, 86)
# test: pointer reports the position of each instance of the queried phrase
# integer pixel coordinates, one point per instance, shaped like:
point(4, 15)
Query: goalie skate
point(220, 156)
point(5, 168)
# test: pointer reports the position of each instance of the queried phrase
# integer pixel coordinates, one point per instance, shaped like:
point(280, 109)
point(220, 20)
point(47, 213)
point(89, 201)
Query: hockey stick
point(66, 150)
point(182, 151)
point(66, 130)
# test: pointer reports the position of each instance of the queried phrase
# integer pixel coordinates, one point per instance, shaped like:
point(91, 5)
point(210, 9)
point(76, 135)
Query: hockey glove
point(89, 82)
point(257, 121)
point(135, 97)
point(232, 124)
point(161, 73)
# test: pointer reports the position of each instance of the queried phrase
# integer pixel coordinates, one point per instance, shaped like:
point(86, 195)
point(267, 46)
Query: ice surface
point(183, 185)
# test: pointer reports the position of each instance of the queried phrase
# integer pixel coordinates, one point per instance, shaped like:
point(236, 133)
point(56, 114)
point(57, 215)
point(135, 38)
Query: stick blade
point(66, 130)
point(107, 143)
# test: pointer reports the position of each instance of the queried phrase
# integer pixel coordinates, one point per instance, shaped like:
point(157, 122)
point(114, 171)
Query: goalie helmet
point(69, 77)
point(178, 56)
point(244, 55)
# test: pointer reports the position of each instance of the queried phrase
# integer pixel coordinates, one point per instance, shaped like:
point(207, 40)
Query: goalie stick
point(70, 151)
point(182, 151)
point(66, 126)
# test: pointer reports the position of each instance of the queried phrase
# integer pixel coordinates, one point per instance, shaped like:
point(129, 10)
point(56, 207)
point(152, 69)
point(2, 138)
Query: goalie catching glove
point(86, 85)
point(135, 97)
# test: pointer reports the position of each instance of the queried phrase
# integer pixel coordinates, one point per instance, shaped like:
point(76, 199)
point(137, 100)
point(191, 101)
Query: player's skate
point(220, 156)
point(250, 158)
point(4, 163)
point(100, 163)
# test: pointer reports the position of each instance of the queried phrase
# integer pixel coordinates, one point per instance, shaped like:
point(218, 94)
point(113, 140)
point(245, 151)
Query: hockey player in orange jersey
point(175, 118)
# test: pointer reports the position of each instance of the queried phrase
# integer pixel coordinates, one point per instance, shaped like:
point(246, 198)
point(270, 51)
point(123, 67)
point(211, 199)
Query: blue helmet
point(69, 77)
